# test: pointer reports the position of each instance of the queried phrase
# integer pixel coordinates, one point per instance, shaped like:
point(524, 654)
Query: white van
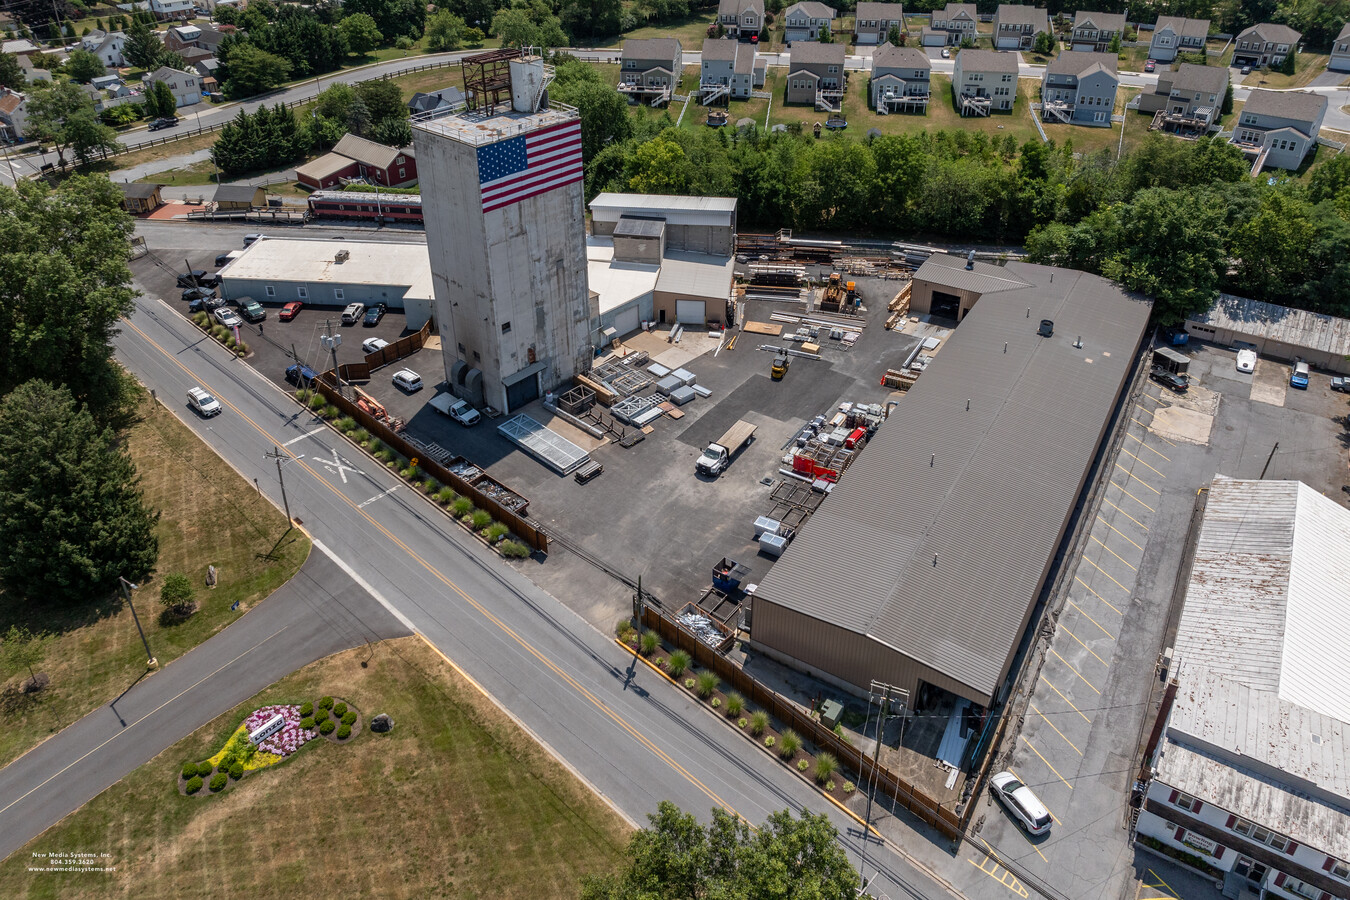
point(1025, 806)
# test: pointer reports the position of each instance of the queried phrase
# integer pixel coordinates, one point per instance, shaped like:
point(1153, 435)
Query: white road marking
point(376, 497)
point(341, 564)
point(321, 428)
point(337, 465)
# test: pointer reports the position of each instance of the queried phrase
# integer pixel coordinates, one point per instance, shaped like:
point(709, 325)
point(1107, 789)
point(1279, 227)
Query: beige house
point(743, 19)
point(816, 75)
point(1016, 26)
point(950, 25)
point(874, 21)
point(1187, 102)
point(650, 70)
point(1094, 31)
point(1265, 45)
point(1175, 34)
point(901, 79)
point(984, 81)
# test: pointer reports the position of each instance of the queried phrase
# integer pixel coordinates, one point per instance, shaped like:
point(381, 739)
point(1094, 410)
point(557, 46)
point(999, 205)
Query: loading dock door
point(689, 312)
point(626, 321)
point(945, 305)
point(522, 392)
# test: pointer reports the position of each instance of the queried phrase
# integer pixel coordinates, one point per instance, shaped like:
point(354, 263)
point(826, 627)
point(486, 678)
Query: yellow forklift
point(780, 366)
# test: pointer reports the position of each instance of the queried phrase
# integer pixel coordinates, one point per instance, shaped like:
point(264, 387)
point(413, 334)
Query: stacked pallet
point(899, 306)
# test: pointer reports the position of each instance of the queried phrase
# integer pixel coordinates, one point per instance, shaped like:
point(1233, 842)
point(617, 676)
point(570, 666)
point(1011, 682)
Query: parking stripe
point(1108, 575)
point(1090, 619)
point(1095, 594)
point(1114, 553)
point(1134, 498)
point(1014, 774)
point(1138, 479)
point(1047, 763)
point(1146, 446)
point(1076, 672)
point(1125, 514)
point(1084, 646)
point(1117, 531)
point(1141, 462)
point(1065, 699)
point(1057, 731)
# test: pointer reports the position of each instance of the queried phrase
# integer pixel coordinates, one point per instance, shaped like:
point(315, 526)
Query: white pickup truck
point(452, 406)
point(717, 455)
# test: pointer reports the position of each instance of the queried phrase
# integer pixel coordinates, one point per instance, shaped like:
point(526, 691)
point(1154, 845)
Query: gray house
point(650, 70)
point(1340, 51)
point(805, 21)
point(1016, 26)
point(984, 80)
point(950, 25)
point(1079, 88)
point(872, 22)
point(186, 86)
point(730, 70)
point(1187, 102)
point(1175, 34)
point(1094, 31)
point(743, 19)
point(1265, 45)
point(901, 79)
point(1279, 128)
point(816, 75)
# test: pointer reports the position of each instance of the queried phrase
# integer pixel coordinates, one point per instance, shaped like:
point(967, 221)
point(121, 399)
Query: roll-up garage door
point(689, 312)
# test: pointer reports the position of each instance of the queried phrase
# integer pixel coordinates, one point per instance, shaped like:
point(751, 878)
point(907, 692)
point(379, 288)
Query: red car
point(1150, 65)
point(289, 310)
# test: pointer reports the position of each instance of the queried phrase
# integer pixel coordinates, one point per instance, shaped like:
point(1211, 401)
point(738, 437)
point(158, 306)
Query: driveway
point(319, 612)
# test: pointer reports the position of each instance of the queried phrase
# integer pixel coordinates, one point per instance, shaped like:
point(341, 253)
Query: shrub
point(707, 683)
point(689, 683)
point(849, 787)
point(735, 704)
point(344, 732)
point(204, 769)
point(307, 722)
point(339, 710)
point(481, 518)
point(317, 401)
point(741, 722)
point(445, 496)
point(218, 781)
point(759, 721)
point(716, 702)
point(320, 714)
point(790, 744)
point(404, 42)
point(237, 771)
point(803, 765)
point(377, 447)
point(327, 726)
point(840, 733)
point(325, 702)
point(346, 424)
point(176, 594)
point(678, 663)
point(430, 487)
point(194, 784)
point(349, 717)
point(461, 506)
point(189, 770)
point(649, 642)
point(513, 549)
point(495, 532)
point(826, 765)
point(307, 708)
point(409, 472)
point(303, 394)
point(769, 741)
point(361, 436)
point(331, 412)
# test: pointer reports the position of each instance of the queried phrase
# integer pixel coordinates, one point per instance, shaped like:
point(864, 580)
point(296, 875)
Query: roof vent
point(1047, 328)
point(970, 260)
point(342, 255)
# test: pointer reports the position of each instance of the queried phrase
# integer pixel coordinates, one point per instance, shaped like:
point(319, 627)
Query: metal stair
point(1260, 160)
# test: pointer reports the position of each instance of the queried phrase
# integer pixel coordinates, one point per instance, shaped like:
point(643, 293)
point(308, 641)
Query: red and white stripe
point(553, 155)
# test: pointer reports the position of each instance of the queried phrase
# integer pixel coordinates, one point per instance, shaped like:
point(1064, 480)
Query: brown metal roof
point(984, 491)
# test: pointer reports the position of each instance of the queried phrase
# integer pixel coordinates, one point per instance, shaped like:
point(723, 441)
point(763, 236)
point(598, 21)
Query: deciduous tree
point(254, 71)
point(360, 33)
point(444, 31)
point(84, 66)
point(20, 650)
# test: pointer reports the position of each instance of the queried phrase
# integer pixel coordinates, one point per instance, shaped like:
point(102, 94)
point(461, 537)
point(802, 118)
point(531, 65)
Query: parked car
point(298, 374)
point(1300, 377)
point(459, 410)
point(371, 345)
point(228, 317)
point(1341, 383)
point(1246, 360)
point(1168, 379)
point(946, 54)
point(210, 281)
point(1246, 70)
point(290, 310)
point(352, 314)
point(197, 293)
point(250, 238)
point(191, 279)
point(374, 315)
point(408, 380)
point(251, 309)
point(202, 402)
point(164, 122)
point(1150, 65)
point(209, 303)
point(1025, 806)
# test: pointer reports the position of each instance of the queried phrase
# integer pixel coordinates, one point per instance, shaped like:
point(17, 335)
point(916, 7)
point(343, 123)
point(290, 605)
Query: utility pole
point(282, 457)
point(127, 588)
point(332, 342)
point(881, 693)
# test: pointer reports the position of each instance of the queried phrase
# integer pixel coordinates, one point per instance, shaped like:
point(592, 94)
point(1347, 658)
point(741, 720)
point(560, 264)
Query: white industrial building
point(1251, 774)
point(333, 274)
point(502, 200)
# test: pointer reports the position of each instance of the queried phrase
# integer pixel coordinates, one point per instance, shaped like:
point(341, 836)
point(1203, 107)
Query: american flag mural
point(512, 170)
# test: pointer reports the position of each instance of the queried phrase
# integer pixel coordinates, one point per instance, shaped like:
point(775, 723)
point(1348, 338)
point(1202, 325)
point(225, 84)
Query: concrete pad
point(1198, 399)
point(1176, 423)
point(1270, 383)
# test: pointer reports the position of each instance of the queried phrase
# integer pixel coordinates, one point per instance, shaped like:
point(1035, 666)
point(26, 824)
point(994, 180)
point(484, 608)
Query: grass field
point(208, 515)
point(456, 801)
point(691, 31)
point(1087, 139)
point(1307, 66)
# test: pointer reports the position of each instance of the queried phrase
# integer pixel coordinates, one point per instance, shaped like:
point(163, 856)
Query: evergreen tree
point(142, 48)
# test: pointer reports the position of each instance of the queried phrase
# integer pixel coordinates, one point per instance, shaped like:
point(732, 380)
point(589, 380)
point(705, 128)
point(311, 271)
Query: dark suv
point(374, 315)
point(198, 293)
point(164, 122)
point(298, 374)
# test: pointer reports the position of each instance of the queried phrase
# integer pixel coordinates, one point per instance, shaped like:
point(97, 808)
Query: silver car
point(228, 317)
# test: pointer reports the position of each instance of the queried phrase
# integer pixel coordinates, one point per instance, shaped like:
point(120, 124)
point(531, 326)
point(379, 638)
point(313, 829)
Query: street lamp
point(127, 588)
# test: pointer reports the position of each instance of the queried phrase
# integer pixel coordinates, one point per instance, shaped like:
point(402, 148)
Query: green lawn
point(1089, 139)
point(1132, 59)
point(691, 31)
point(456, 801)
point(1307, 66)
point(208, 515)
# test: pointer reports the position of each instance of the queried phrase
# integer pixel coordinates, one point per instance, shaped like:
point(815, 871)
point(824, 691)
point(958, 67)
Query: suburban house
point(186, 86)
point(207, 69)
point(1188, 101)
point(1279, 127)
point(31, 72)
point(437, 103)
point(873, 22)
point(984, 80)
point(355, 157)
point(1095, 30)
point(816, 75)
point(1016, 26)
point(650, 70)
point(950, 25)
point(730, 70)
point(239, 197)
point(901, 79)
point(13, 114)
point(106, 46)
point(1264, 45)
point(1079, 88)
point(139, 198)
point(741, 19)
point(1340, 51)
point(805, 21)
point(163, 9)
point(1175, 34)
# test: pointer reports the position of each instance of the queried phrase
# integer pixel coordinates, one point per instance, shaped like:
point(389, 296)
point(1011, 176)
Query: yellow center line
point(1108, 575)
point(1057, 731)
point(1138, 479)
point(1047, 764)
point(1076, 672)
point(1114, 553)
point(1124, 513)
point(1065, 699)
point(1085, 647)
point(435, 573)
point(1146, 446)
point(1117, 531)
point(1141, 462)
point(1090, 619)
point(1047, 809)
point(1134, 498)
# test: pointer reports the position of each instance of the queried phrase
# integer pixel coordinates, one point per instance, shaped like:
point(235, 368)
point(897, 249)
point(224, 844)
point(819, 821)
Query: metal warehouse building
point(925, 563)
point(1276, 331)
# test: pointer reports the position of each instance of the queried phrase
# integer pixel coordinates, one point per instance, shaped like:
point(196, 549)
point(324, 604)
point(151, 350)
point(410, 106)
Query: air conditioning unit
point(342, 255)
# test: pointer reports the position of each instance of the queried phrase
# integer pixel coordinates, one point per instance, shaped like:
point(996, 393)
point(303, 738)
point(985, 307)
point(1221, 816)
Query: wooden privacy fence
point(945, 821)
